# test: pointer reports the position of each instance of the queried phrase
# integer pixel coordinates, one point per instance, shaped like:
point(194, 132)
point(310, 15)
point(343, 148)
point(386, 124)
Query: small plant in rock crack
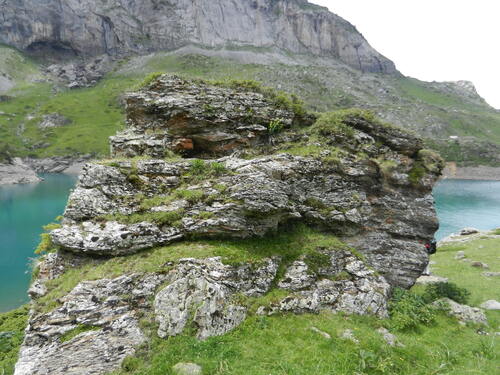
point(408, 310)
point(276, 126)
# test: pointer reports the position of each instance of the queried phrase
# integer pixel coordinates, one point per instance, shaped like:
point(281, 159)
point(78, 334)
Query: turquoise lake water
point(24, 209)
point(466, 203)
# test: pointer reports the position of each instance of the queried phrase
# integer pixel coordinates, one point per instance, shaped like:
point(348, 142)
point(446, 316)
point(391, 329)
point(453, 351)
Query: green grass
point(16, 66)
point(465, 276)
point(12, 326)
point(81, 328)
point(419, 90)
point(286, 345)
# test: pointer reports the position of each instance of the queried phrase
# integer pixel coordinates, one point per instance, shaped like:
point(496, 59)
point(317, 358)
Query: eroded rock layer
point(360, 189)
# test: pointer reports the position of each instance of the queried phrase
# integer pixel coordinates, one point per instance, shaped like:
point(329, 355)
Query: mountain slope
point(434, 110)
point(73, 28)
point(15, 69)
point(289, 45)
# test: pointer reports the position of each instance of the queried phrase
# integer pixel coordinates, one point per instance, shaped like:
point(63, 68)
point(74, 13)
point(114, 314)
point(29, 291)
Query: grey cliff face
point(74, 28)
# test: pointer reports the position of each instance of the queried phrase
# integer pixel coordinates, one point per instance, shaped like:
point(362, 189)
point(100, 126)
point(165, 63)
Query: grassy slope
point(465, 118)
point(11, 336)
point(486, 250)
point(286, 345)
point(97, 113)
point(16, 67)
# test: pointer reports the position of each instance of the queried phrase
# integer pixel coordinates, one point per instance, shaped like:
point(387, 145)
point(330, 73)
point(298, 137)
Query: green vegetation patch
point(419, 90)
point(416, 173)
point(12, 325)
point(439, 290)
point(431, 160)
point(410, 310)
point(159, 218)
point(17, 67)
point(81, 328)
point(334, 123)
point(201, 170)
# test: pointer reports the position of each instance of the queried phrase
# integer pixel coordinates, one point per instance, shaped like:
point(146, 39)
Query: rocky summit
point(224, 200)
point(71, 28)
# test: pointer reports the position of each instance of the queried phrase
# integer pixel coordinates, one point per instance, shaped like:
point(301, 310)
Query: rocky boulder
point(17, 172)
point(196, 119)
point(53, 120)
point(464, 314)
point(371, 186)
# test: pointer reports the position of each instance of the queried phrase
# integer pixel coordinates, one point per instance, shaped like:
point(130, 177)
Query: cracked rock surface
point(362, 187)
point(109, 324)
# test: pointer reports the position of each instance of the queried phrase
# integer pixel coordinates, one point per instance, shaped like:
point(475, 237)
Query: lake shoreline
point(28, 170)
point(481, 172)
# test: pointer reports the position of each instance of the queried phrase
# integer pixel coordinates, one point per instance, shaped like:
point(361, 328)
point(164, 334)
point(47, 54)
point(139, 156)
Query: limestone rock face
point(104, 323)
point(194, 118)
point(361, 187)
point(91, 28)
point(355, 289)
point(125, 206)
point(202, 291)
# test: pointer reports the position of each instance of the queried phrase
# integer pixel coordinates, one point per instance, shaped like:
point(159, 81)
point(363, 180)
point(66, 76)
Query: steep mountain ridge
point(72, 28)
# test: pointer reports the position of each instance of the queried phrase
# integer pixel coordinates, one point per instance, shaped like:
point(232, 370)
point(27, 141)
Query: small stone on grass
point(479, 265)
point(490, 305)
point(187, 369)
point(322, 333)
point(348, 334)
point(389, 338)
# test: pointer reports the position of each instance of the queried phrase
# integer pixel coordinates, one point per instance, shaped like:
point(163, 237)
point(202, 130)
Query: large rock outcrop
point(359, 188)
point(371, 185)
point(90, 28)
